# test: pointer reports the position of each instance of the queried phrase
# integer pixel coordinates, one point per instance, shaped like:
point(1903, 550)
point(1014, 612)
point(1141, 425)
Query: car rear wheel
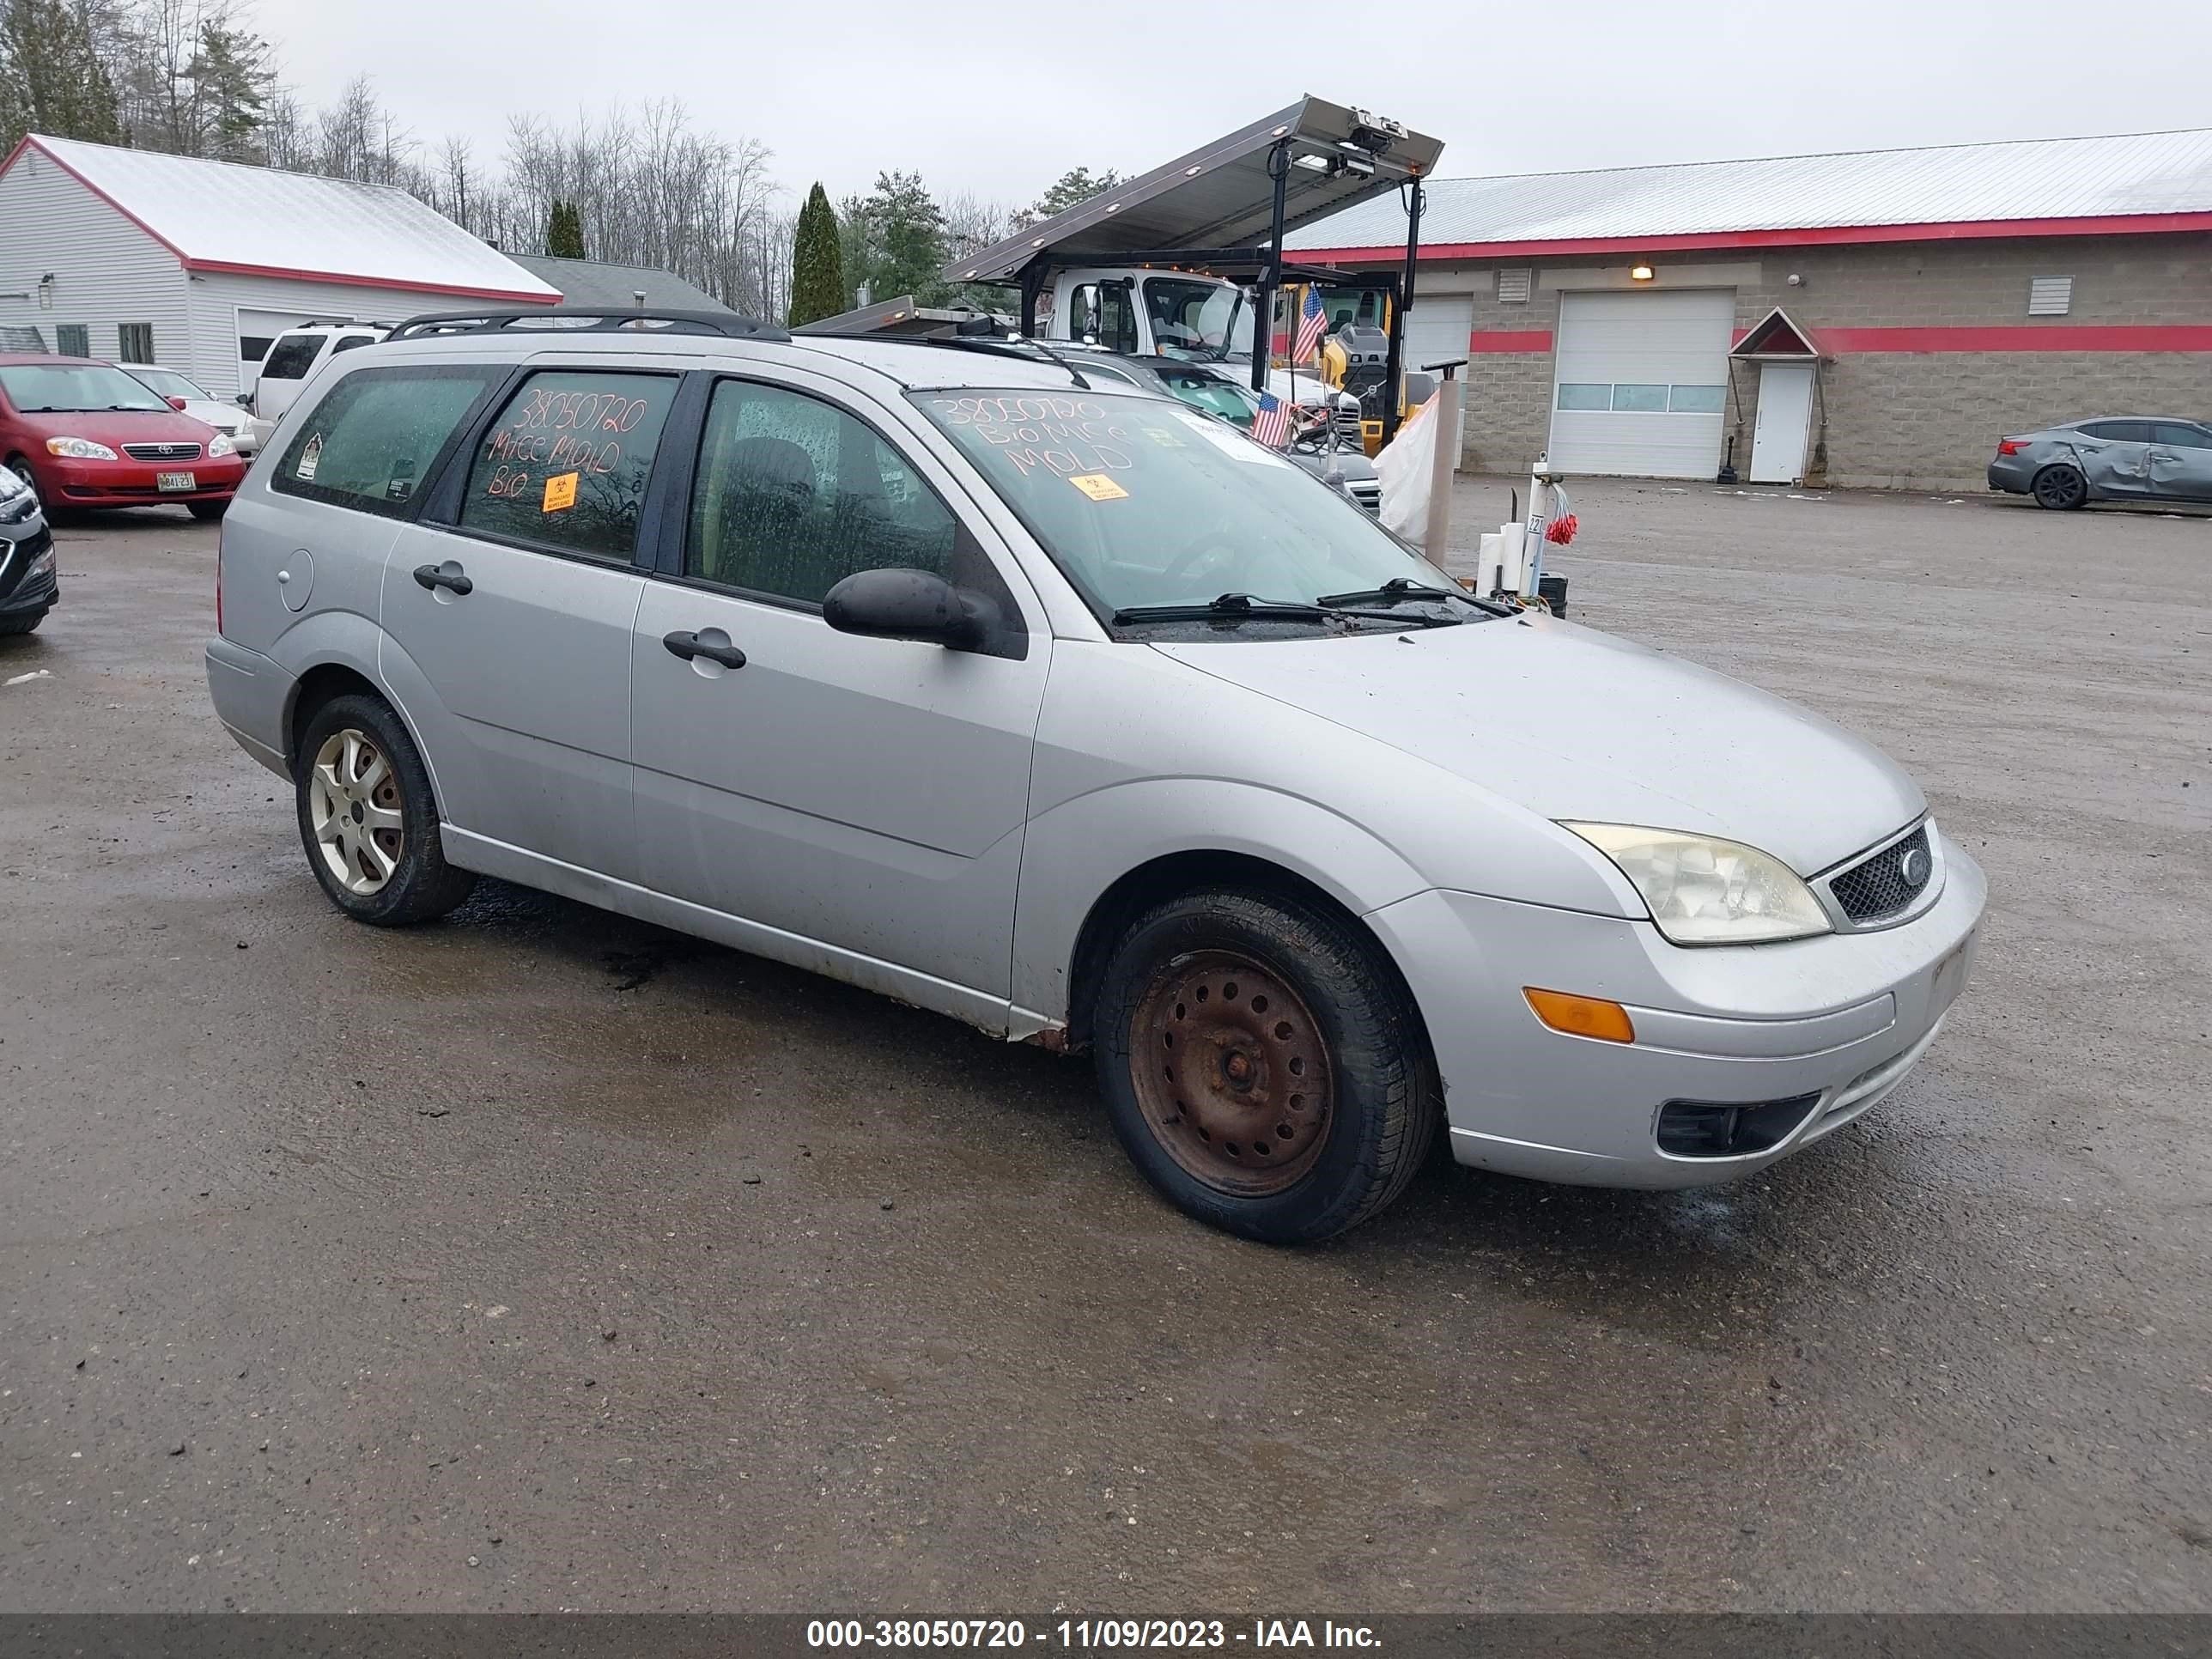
point(2060, 488)
point(368, 819)
point(1263, 1066)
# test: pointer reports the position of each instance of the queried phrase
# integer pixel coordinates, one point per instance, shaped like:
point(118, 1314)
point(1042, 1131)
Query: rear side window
point(2120, 432)
point(347, 341)
point(371, 441)
point(292, 356)
point(566, 464)
point(2178, 435)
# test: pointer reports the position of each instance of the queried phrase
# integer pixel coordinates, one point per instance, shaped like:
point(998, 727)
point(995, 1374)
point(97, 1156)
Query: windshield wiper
point(1405, 587)
point(1241, 607)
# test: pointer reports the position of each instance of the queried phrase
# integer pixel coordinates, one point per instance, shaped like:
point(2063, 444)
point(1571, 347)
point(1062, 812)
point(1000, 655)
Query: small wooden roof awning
point(1775, 339)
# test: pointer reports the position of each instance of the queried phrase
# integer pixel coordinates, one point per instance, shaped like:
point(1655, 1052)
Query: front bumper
point(1834, 1022)
point(134, 483)
point(253, 697)
point(23, 591)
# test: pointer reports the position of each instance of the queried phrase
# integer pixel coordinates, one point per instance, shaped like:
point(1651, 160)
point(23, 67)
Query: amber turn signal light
point(1581, 1016)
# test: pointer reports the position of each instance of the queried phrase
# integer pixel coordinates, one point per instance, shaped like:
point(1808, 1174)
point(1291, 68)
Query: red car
point(84, 434)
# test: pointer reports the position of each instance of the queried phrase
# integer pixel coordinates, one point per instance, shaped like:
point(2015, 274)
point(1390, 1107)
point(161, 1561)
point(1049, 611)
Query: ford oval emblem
point(1914, 866)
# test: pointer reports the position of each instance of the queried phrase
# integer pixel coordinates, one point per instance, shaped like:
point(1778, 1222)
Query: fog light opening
point(1699, 1128)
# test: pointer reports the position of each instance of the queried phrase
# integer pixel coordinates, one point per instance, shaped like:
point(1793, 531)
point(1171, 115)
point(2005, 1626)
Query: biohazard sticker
point(560, 492)
point(310, 455)
point(1099, 486)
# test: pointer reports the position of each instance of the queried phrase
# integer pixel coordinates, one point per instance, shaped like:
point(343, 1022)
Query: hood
point(114, 427)
point(1569, 723)
point(224, 418)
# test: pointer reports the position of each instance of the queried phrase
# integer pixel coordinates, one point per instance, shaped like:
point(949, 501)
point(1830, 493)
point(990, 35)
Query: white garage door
point(1435, 332)
point(1641, 383)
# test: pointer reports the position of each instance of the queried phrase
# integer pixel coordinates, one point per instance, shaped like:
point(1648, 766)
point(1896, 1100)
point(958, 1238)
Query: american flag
point(1312, 319)
point(1272, 425)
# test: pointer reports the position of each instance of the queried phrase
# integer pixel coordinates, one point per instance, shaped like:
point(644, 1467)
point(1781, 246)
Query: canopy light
point(1641, 273)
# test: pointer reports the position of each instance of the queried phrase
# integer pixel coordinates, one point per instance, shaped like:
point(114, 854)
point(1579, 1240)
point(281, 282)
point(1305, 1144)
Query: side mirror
point(908, 605)
point(245, 400)
point(177, 403)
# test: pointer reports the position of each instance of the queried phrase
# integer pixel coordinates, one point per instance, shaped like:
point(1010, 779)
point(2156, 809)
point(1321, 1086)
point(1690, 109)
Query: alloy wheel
point(353, 804)
point(1232, 1073)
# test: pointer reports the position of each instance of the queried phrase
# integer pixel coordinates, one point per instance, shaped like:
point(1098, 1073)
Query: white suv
point(292, 357)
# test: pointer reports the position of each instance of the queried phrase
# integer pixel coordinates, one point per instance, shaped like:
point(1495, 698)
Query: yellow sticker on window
point(1162, 437)
point(1099, 486)
point(560, 492)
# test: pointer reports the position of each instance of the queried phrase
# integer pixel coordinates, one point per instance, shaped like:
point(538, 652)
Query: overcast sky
point(999, 100)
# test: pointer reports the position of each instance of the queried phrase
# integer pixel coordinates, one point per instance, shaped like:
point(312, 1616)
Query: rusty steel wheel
point(1231, 1072)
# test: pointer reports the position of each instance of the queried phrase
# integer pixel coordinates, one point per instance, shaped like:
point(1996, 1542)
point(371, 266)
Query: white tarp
point(1406, 466)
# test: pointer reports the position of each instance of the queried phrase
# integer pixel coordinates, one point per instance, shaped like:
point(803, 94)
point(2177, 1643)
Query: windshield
point(1193, 318)
point(1202, 389)
point(170, 384)
point(42, 389)
point(1145, 502)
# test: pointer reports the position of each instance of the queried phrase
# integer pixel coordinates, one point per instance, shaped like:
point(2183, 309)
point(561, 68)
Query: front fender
point(1080, 848)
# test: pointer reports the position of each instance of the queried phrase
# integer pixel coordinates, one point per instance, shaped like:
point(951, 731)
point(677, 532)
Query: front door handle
point(688, 646)
point(447, 575)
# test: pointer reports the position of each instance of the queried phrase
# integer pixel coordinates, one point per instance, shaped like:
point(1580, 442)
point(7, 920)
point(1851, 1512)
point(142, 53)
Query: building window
point(2049, 296)
point(1586, 396)
point(1697, 399)
point(72, 339)
point(1640, 399)
point(1513, 287)
point(134, 342)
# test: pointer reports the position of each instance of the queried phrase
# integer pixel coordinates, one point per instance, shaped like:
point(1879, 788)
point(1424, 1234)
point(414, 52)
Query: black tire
point(207, 511)
point(21, 469)
point(2061, 489)
point(26, 623)
point(1383, 1101)
point(421, 885)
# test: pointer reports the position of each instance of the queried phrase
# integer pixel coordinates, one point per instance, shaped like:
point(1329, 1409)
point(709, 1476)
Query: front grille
point(1347, 421)
point(1886, 881)
point(1368, 492)
point(162, 452)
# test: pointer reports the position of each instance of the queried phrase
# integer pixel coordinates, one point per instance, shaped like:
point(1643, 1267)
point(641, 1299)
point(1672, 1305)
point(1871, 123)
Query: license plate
point(173, 481)
point(1950, 976)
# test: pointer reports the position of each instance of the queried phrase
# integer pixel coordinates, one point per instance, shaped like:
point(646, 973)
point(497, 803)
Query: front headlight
point(220, 446)
point(79, 449)
point(1704, 891)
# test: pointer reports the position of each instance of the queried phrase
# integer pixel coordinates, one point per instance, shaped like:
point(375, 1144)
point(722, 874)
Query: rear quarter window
point(371, 442)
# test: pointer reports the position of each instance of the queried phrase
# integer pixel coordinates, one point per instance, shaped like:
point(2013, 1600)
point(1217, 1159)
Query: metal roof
point(220, 216)
point(595, 282)
point(2014, 188)
point(1219, 196)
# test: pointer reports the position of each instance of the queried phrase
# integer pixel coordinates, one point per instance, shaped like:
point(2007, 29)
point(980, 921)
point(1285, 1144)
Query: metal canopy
point(1220, 197)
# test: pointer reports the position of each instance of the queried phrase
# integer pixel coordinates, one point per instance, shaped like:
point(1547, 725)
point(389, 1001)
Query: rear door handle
point(688, 646)
point(447, 575)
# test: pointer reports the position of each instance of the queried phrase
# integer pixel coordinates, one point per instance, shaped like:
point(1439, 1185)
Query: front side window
point(1100, 313)
point(1145, 502)
point(566, 464)
point(68, 388)
point(292, 356)
point(2178, 435)
point(371, 441)
point(793, 494)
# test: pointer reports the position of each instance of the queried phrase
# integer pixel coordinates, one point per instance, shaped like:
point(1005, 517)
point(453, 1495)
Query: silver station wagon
point(1076, 716)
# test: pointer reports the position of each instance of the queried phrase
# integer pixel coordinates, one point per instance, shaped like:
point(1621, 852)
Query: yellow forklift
point(1355, 356)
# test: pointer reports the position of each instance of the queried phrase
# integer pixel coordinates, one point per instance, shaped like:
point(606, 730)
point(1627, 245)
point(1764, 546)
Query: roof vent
point(2049, 296)
point(1513, 287)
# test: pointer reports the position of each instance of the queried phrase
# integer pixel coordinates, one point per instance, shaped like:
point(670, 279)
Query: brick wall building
point(1948, 297)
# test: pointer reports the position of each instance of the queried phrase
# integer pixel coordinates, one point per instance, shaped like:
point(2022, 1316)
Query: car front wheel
point(368, 819)
point(207, 511)
point(1263, 1066)
point(2061, 489)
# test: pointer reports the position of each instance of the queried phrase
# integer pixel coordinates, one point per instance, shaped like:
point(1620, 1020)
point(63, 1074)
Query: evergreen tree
point(903, 241)
point(51, 78)
point(231, 83)
point(818, 262)
point(1075, 185)
point(564, 232)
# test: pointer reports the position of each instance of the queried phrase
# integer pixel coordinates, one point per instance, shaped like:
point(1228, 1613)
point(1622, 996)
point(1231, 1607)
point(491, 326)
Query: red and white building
point(1875, 319)
point(144, 258)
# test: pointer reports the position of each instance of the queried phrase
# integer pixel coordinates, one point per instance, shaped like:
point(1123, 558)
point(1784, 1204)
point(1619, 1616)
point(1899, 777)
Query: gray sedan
point(2111, 458)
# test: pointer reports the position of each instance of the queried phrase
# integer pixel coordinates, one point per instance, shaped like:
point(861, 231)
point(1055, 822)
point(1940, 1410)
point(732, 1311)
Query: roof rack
point(563, 320)
point(1023, 347)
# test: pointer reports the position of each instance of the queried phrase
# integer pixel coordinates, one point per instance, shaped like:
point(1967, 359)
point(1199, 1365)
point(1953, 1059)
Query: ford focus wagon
point(1074, 714)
